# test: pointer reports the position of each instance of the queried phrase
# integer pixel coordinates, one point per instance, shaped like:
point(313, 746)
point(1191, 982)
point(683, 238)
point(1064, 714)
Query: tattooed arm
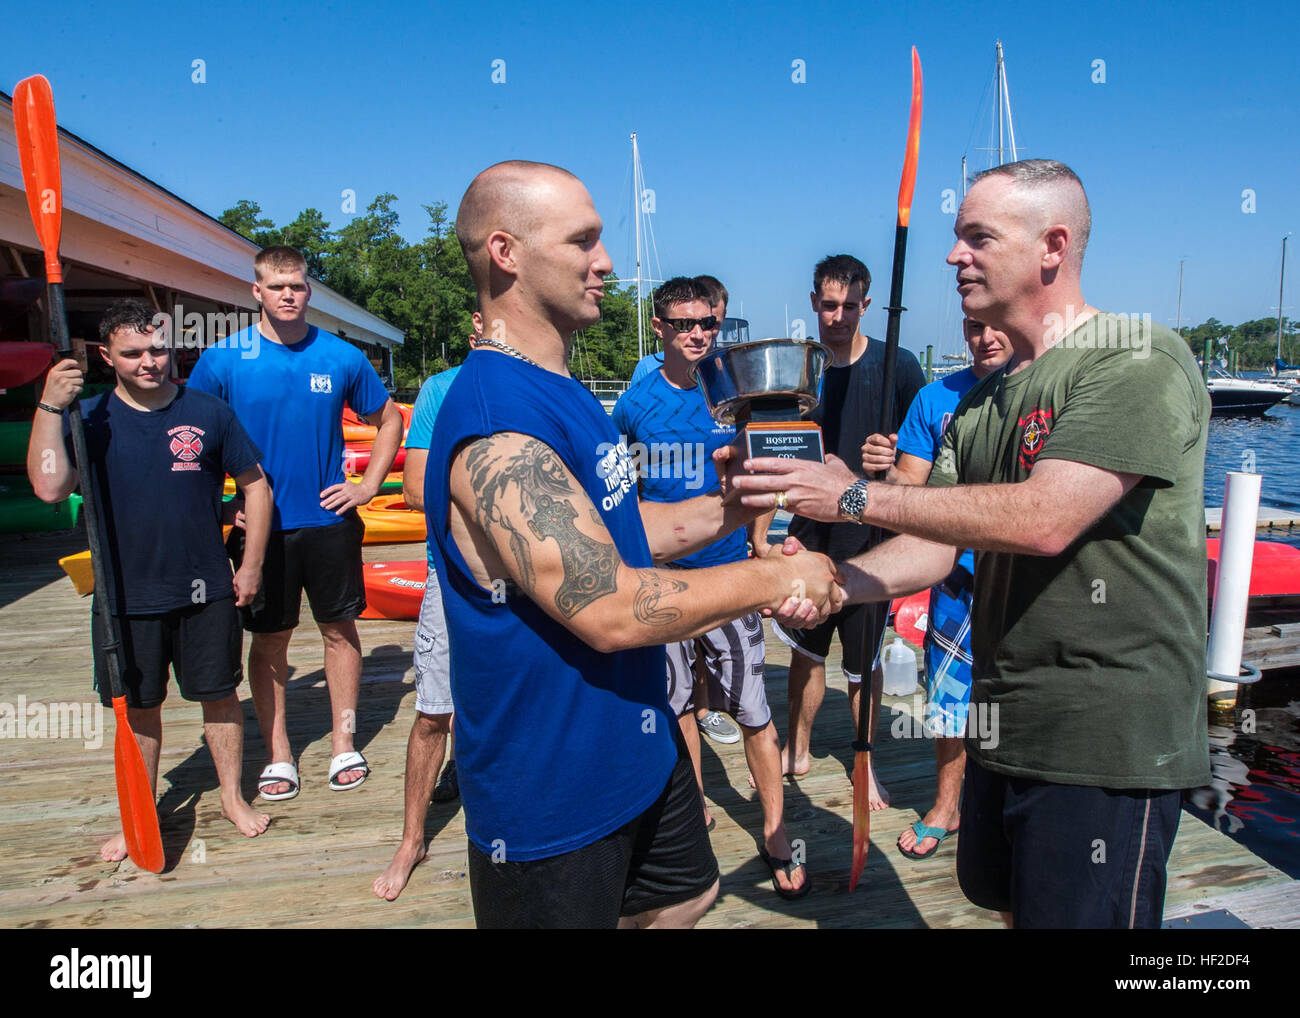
point(518, 512)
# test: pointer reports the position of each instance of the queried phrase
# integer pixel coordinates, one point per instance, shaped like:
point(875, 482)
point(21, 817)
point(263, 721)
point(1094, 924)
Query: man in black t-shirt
point(848, 412)
point(158, 459)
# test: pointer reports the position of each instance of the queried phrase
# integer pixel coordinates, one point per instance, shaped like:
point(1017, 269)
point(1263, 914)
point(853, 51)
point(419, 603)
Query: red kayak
point(22, 362)
point(1274, 571)
point(394, 590)
point(357, 457)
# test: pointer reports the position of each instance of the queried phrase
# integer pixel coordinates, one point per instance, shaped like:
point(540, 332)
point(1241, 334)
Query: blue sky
point(755, 176)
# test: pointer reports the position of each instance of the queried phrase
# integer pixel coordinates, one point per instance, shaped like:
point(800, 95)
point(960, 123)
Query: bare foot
point(802, 764)
point(778, 847)
point(944, 821)
point(249, 821)
point(114, 849)
point(878, 798)
point(349, 777)
point(389, 884)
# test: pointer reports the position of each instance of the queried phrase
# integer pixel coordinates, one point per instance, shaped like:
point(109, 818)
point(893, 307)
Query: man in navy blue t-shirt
point(289, 382)
point(159, 456)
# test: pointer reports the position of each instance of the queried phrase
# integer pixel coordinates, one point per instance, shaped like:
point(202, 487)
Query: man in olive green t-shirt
point(1076, 473)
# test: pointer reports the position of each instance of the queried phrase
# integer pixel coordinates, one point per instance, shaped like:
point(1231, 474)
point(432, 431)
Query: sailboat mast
point(1280, 284)
point(997, 76)
point(1178, 322)
point(636, 206)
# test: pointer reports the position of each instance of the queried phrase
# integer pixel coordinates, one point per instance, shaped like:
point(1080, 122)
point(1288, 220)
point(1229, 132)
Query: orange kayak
point(394, 590)
point(389, 520)
point(357, 430)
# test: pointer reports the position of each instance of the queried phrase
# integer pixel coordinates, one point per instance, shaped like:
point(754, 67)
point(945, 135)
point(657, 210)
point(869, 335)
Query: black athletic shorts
point(323, 561)
point(202, 643)
point(1065, 856)
point(850, 623)
point(661, 858)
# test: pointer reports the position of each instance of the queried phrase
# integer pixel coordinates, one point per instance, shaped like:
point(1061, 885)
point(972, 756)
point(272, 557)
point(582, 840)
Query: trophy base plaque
point(774, 429)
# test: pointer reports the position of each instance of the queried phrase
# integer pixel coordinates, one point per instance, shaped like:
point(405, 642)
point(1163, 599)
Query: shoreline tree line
point(424, 290)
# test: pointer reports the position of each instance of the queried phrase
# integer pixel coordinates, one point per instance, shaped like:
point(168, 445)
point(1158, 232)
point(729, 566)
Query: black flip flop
point(786, 865)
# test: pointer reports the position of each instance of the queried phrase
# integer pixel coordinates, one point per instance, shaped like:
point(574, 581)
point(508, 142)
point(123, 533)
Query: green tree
point(246, 219)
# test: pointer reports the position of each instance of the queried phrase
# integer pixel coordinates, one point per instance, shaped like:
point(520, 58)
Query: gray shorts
point(432, 654)
point(733, 657)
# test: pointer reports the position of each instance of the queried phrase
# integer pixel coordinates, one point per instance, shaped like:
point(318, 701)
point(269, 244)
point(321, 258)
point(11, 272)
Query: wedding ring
point(780, 500)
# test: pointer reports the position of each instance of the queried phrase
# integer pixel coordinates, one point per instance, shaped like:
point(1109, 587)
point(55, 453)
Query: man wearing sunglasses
point(671, 436)
point(717, 296)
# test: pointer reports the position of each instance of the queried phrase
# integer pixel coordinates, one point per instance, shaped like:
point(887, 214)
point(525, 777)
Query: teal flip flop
point(922, 832)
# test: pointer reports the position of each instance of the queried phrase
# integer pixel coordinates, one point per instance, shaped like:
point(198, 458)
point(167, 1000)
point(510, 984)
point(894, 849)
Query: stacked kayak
point(14, 436)
point(357, 457)
point(389, 520)
point(23, 362)
point(21, 512)
point(394, 590)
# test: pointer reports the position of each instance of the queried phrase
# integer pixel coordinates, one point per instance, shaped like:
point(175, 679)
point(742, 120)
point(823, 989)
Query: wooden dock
point(314, 866)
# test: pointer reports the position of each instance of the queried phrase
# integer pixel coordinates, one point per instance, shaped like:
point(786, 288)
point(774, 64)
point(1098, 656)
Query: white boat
point(1242, 397)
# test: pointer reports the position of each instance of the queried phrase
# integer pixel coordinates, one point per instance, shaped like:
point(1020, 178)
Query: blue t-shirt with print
point(671, 437)
point(290, 398)
point(557, 744)
point(427, 405)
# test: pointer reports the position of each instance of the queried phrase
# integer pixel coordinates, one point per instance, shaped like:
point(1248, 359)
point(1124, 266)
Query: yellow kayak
point(389, 520)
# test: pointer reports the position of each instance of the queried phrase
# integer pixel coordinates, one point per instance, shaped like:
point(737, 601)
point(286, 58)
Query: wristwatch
point(854, 501)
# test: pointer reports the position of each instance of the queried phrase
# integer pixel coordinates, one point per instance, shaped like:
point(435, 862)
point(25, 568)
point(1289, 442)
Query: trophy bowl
point(734, 377)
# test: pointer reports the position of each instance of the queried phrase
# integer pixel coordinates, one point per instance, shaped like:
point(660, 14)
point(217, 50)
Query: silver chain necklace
point(506, 348)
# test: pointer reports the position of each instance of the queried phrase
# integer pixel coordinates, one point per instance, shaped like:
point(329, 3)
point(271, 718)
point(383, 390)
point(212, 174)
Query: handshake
point(815, 583)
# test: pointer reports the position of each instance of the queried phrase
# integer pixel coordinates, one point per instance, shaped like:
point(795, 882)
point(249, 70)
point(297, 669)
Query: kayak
point(79, 572)
point(357, 457)
point(22, 362)
point(389, 520)
point(21, 512)
point(82, 574)
point(392, 484)
point(394, 590)
point(1274, 570)
point(14, 436)
point(356, 430)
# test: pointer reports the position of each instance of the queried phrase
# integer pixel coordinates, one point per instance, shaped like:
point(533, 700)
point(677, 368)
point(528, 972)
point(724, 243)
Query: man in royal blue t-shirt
point(947, 635)
point(159, 456)
point(672, 436)
point(289, 383)
point(580, 806)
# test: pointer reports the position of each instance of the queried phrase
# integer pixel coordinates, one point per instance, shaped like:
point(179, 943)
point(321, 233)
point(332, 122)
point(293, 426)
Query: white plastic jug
point(900, 669)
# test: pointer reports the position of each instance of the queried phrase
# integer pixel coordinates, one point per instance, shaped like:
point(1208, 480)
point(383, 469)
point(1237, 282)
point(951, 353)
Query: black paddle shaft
point(880, 609)
point(108, 627)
